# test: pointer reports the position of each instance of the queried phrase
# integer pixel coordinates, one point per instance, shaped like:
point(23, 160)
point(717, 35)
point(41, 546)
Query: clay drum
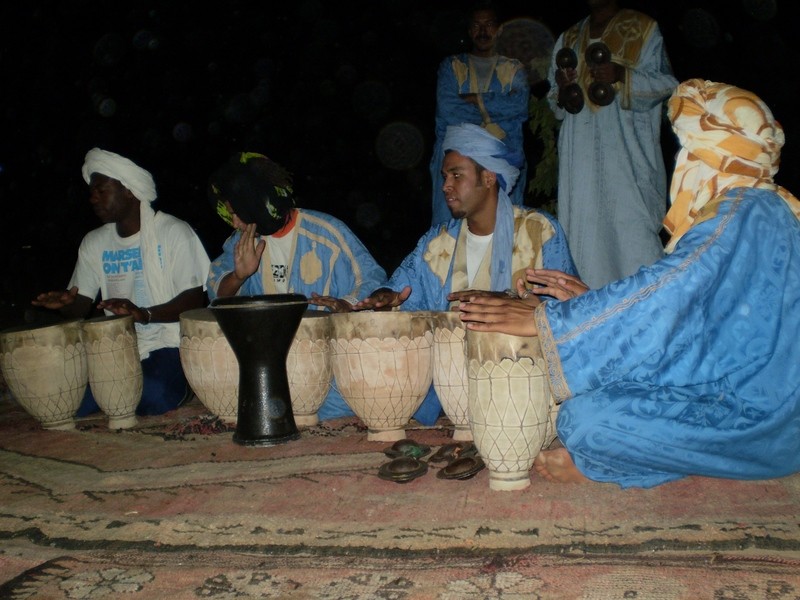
point(308, 366)
point(209, 363)
point(115, 369)
point(450, 371)
point(382, 362)
point(260, 330)
point(510, 404)
point(46, 370)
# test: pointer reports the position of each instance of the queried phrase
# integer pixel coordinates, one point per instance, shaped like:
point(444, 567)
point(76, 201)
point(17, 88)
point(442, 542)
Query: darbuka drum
point(260, 330)
point(510, 403)
point(382, 362)
point(46, 370)
point(308, 366)
point(450, 371)
point(115, 369)
point(209, 363)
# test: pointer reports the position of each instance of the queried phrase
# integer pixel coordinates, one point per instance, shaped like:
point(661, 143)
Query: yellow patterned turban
point(728, 139)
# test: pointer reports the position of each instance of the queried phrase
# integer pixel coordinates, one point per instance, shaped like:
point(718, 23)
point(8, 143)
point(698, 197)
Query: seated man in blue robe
point(688, 366)
point(277, 248)
point(486, 245)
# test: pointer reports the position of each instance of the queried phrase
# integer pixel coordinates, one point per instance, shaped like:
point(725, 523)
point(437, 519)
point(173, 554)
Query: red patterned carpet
point(175, 509)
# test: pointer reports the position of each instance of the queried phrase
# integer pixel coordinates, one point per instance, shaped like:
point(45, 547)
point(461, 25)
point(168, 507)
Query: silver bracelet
point(149, 316)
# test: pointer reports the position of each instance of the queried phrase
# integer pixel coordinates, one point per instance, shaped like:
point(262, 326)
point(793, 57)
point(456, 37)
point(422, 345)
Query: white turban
point(141, 184)
point(493, 155)
point(132, 176)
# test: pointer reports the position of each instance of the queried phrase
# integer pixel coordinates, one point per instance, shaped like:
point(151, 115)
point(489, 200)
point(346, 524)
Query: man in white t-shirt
point(143, 263)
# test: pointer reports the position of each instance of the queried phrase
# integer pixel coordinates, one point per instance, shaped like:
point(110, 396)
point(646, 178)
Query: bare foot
point(557, 466)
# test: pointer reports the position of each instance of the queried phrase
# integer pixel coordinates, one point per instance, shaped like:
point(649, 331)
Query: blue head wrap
point(493, 155)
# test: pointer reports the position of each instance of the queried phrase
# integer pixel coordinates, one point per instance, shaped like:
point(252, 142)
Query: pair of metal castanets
point(571, 96)
point(461, 458)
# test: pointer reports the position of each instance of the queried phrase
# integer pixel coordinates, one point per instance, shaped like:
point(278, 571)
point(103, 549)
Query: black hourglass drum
point(260, 330)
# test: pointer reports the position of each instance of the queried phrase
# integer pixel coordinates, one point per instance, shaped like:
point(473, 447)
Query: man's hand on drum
point(384, 299)
point(503, 314)
point(247, 253)
point(337, 305)
point(557, 284)
point(57, 299)
point(465, 295)
point(123, 306)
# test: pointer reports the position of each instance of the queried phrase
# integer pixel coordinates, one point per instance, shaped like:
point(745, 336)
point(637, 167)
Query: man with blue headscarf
point(487, 244)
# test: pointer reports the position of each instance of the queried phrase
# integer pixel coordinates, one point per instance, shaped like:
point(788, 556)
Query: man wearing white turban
point(689, 366)
point(143, 263)
point(486, 245)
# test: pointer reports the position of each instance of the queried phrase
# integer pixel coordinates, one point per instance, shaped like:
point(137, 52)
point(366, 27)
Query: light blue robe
point(538, 242)
point(328, 259)
point(506, 102)
point(690, 366)
point(612, 182)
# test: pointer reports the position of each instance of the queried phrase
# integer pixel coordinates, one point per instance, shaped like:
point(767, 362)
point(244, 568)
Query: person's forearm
point(230, 285)
point(169, 312)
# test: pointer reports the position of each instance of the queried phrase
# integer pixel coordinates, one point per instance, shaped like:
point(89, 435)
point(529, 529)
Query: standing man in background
point(612, 183)
point(483, 88)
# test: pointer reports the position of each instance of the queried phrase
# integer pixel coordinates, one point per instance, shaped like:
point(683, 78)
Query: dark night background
point(340, 93)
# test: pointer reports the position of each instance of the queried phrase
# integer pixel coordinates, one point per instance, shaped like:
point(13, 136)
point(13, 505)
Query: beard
point(458, 213)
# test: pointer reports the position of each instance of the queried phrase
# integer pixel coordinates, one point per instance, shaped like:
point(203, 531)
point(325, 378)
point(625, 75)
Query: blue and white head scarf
point(475, 142)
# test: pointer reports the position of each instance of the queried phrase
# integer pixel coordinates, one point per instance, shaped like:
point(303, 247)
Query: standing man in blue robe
point(612, 181)
point(689, 366)
point(277, 248)
point(486, 245)
point(484, 88)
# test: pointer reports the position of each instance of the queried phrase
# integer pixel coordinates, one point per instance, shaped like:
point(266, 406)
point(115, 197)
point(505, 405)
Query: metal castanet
point(602, 94)
point(260, 330)
point(570, 96)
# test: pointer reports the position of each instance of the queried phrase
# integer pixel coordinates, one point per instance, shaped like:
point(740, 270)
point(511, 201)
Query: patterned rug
point(173, 508)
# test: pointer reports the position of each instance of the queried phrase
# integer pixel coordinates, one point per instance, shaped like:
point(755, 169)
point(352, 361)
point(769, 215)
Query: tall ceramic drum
point(115, 370)
point(209, 363)
point(509, 405)
point(260, 330)
point(308, 366)
point(46, 370)
point(382, 362)
point(450, 371)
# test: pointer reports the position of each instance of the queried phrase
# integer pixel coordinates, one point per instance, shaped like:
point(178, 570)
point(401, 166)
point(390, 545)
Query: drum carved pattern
point(115, 369)
point(450, 376)
point(46, 370)
point(384, 380)
point(510, 406)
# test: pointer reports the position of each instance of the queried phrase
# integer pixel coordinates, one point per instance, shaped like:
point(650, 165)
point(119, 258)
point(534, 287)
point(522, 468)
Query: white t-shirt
point(476, 251)
point(112, 265)
point(280, 250)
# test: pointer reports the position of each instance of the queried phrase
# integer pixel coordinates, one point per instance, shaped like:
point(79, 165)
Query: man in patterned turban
point(688, 366)
point(278, 248)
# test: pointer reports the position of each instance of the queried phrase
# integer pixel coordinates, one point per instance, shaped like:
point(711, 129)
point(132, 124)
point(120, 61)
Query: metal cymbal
point(403, 469)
